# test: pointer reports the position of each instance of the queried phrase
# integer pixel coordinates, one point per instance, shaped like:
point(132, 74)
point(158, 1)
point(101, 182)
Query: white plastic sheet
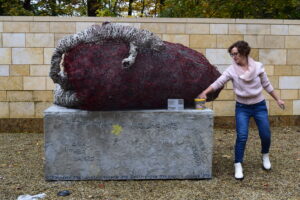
point(34, 197)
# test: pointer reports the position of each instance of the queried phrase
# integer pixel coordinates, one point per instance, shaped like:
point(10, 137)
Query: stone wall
point(27, 43)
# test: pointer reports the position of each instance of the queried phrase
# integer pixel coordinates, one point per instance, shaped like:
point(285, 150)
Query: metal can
point(200, 104)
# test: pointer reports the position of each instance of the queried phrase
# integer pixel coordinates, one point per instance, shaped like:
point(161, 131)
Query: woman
point(249, 79)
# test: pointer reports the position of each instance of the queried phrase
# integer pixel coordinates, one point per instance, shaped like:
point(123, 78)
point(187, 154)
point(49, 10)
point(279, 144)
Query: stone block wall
point(27, 43)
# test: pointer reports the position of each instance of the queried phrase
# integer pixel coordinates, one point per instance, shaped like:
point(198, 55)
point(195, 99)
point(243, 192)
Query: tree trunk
point(115, 8)
point(92, 7)
point(130, 8)
point(52, 5)
point(26, 5)
point(162, 3)
point(143, 8)
point(155, 8)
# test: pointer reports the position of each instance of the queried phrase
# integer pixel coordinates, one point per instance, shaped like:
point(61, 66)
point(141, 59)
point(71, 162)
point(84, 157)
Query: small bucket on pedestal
point(200, 104)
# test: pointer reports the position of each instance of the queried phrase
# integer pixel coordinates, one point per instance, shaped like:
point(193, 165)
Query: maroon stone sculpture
point(96, 73)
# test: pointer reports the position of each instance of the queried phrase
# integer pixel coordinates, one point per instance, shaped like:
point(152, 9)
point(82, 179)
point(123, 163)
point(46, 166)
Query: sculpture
point(112, 67)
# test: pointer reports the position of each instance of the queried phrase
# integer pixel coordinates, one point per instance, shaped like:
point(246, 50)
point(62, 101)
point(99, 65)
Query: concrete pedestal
point(120, 145)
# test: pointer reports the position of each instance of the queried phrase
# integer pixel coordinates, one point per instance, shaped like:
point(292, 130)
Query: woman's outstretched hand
point(281, 104)
point(202, 95)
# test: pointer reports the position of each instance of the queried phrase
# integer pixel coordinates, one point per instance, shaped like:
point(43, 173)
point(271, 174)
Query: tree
point(130, 8)
point(181, 8)
point(60, 7)
point(15, 7)
point(146, 8)
point(267, 9)
point(92, 7)
point(27, 5)
point(273, 9)
point(110, 8)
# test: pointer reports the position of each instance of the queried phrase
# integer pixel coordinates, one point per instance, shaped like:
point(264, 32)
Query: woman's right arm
point(203, 95)
point(219, 83)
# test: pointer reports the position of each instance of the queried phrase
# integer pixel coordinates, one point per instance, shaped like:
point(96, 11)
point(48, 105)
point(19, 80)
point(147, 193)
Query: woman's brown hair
point(242, 46)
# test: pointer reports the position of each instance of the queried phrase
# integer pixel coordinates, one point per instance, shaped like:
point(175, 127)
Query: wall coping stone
point(60, 109)
point(147, 20)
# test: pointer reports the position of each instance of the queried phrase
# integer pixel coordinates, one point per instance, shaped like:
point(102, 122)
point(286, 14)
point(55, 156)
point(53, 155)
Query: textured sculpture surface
point(113, 67)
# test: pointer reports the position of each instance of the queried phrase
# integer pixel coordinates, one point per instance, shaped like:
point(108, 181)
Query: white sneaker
point(266, 161)
point(238, 171)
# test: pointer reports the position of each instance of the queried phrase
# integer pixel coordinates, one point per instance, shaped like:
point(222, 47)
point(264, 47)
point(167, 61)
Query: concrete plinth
point(120, 145)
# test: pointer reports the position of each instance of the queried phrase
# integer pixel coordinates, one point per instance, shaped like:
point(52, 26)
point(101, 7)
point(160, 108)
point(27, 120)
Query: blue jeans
point(243, 112)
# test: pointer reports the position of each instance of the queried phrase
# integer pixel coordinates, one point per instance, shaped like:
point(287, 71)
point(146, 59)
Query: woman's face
point(236, 56)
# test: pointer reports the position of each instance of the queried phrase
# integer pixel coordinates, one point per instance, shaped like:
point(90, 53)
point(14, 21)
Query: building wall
point(27, 44)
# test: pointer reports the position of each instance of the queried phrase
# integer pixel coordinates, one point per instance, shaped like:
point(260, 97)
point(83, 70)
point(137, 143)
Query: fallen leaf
point(226, 156)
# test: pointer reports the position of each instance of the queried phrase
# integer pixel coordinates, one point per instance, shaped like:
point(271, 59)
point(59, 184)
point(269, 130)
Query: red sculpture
point(95, 71)
point(112, 67)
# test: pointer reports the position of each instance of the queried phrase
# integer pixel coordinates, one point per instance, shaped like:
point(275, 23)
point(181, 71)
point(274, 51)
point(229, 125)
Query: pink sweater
point(248, 85)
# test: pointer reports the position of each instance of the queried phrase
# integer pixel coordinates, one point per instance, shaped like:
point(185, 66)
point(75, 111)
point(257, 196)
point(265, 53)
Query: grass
point(21, 172)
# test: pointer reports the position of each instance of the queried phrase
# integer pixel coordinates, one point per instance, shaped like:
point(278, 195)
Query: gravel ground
point(21, 172)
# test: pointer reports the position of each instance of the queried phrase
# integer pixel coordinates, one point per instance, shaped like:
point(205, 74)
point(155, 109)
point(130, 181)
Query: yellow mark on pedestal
point(116, 130)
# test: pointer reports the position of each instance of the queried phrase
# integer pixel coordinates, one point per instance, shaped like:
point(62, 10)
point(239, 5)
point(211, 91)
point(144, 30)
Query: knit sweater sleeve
point(220, 82)
point(266, 84)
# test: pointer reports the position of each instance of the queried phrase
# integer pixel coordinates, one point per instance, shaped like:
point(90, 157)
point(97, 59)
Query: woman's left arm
point(269, 88)
point(277, 99)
